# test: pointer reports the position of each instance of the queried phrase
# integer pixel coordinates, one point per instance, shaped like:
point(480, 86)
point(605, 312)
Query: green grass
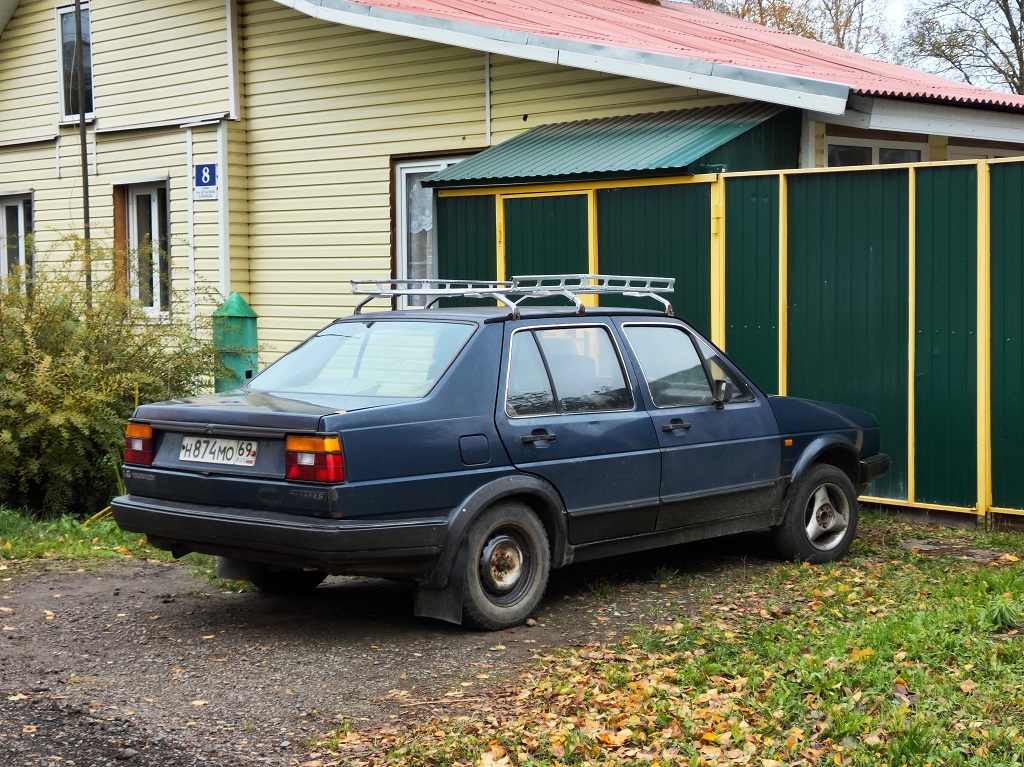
point(890, 657)
point(25, 540)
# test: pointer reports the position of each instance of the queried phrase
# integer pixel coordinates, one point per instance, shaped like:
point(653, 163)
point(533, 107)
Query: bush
point(74, 362)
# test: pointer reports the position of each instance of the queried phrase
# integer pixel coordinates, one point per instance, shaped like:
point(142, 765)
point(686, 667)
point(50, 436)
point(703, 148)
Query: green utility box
point(234, 335)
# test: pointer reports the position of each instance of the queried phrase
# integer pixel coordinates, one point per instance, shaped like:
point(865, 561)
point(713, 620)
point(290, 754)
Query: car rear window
point(390, 358)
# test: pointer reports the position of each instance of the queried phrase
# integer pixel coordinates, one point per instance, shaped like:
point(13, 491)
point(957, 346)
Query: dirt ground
point(134, 662)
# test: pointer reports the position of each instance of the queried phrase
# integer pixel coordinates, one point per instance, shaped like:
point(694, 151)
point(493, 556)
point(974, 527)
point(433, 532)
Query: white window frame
point(875, 145)
point(24, 228)
point(62, 87)
point(156, 306)
point(405, 170)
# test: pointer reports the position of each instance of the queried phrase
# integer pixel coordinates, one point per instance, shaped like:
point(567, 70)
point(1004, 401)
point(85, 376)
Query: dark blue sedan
point(471, 450)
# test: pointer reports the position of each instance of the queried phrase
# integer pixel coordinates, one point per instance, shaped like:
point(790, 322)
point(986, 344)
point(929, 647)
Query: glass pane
point(368, 358)
point(144, 247)
point(671, 366)
point(529, 388)
point(27, 230)
point(162, 242)
point(69, 63)
point(844, 154)
point(11, 239)
point(887, 156)
point(737, 391)
point(419, 236)
point(585, 370)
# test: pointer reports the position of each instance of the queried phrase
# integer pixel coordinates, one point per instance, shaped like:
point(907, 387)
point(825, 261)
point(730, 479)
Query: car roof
point(502, 314)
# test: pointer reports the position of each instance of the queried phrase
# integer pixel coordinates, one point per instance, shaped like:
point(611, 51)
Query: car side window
point(529, 388)
point(737, 391)
point(565, 370)
point(671, 365)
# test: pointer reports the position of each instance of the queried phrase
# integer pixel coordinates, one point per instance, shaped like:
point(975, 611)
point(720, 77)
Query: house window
point(842, 152)
point(415, 214)
point(15, 228)
point(141, 235)
point(69, 63)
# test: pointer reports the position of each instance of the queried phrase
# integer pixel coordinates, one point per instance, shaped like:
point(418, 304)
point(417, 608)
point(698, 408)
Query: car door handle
point(676, 425)
point(529, 439)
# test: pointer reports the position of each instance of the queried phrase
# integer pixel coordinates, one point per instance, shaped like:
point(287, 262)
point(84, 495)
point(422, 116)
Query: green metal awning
point(635, 145)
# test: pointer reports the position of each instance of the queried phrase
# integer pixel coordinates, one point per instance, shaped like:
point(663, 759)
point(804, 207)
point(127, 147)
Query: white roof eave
point(883, 114)
point(754, 84)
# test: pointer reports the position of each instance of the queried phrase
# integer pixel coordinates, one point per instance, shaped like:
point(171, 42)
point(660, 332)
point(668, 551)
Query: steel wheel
point(504, 565)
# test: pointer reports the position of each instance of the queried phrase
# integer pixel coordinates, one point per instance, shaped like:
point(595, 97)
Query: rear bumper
point(389, 548)
point(874, 466)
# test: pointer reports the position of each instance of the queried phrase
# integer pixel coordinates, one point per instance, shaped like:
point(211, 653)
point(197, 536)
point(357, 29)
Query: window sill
point(72, 122)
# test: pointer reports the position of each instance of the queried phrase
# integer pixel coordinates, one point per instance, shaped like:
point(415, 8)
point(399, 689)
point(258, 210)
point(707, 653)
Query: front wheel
point(506, 567)
point(821, 516)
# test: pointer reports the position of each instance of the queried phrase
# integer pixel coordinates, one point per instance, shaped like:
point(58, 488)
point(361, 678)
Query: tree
point(979, 42)
point(860, 26)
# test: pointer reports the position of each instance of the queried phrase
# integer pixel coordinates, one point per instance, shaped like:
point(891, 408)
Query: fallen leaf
point(967, 685)
point(18, 696)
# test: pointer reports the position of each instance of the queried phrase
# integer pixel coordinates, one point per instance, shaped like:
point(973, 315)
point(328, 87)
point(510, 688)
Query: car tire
point(820, 521)
point(289, 581)
point(506, 567)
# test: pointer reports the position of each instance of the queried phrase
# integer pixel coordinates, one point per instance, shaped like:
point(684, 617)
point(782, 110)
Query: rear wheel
point(821, 516)
point(506, 568)
point(289, 581)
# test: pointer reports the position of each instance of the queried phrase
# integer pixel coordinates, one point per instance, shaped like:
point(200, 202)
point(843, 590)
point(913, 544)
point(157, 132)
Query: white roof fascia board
point(931, 119)
point(6, 12)
point(788, 90)
point(852, 118)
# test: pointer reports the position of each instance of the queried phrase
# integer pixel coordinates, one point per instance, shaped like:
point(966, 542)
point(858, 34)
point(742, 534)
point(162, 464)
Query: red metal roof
point(680, 30)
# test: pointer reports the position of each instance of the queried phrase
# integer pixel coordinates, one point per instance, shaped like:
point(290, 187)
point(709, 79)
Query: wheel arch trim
point(537, 493)
point(833, 446)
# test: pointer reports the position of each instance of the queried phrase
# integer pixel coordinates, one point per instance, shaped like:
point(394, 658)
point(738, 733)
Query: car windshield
point(389, 358)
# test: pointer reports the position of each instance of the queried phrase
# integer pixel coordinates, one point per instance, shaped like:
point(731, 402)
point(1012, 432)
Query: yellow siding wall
point(152, 63)
point(158, 61)
point(206, 225)
point(238, 207)
point(525, 94)
point(29, 104)
point(328, 107)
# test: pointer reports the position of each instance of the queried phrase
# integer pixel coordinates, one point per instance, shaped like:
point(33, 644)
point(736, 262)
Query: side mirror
point(721, 393)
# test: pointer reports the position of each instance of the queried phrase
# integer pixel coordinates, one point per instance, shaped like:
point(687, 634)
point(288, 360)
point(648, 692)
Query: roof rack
point(570, 286)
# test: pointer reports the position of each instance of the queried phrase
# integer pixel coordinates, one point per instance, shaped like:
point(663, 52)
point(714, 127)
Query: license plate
point(226, 452)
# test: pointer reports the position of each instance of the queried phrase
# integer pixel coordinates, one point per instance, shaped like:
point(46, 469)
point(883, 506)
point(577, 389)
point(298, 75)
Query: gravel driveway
point(135, 662)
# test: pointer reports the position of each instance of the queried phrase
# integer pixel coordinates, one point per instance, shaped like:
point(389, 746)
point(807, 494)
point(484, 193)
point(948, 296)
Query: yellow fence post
point(984, 353)
point(718, 261)
point(911, 330)
point(783, 284)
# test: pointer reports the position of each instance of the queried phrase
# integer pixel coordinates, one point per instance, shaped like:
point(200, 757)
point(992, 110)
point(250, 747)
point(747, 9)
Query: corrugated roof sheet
point(637, 144)
point(639, 29)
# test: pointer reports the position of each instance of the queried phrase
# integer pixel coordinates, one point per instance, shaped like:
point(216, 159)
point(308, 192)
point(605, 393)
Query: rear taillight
point(138, 444)
point(314, 459)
